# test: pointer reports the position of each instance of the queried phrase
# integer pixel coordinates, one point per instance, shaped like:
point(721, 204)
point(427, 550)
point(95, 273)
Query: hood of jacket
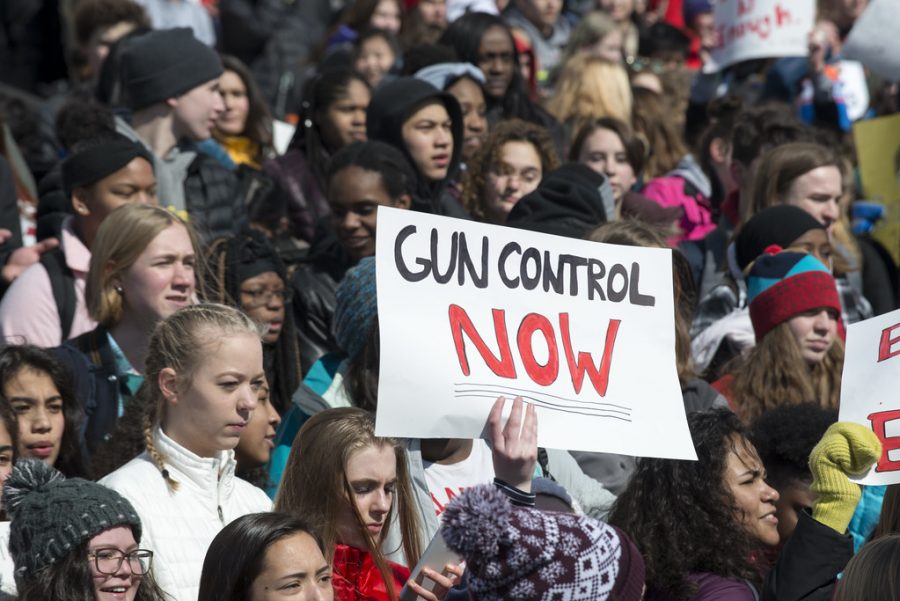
point(392, 104)
point(567, 202)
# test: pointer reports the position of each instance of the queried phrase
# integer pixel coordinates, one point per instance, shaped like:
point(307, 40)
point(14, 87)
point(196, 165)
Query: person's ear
point(168, 385)
point(171, 102)
point(404, 201)
point(79, 202)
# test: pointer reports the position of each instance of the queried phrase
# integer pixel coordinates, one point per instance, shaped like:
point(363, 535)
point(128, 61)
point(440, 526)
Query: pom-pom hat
point(530, 555)
point(782, 285)
point(52, 515)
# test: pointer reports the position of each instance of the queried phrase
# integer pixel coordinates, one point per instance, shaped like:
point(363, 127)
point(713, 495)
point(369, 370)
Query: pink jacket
point(28, 312)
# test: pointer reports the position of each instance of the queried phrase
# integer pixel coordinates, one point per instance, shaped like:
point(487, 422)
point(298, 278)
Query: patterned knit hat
point(530, 555)
point(784, 284)
point(356, 307)
point(52, 515)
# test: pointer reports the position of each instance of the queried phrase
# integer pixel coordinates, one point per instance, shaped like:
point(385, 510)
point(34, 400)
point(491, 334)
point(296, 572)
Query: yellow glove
point(846, 449)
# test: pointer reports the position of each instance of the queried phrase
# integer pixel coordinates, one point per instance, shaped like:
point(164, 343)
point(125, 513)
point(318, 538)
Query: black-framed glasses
point(108, 561)
point(263, 296)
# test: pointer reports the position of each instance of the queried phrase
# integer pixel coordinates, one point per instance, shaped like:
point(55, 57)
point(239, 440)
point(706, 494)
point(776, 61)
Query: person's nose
point(40, 422)
point(821, 322)
point(218, 104)
point(382, 503)
point(769, 494)
point(443, 138)
point(249, 399)
point(831, 211)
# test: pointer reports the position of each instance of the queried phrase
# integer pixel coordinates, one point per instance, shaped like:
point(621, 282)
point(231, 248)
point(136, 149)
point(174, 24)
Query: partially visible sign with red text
point(751, 29)
point(583, 331)
point(870, 389)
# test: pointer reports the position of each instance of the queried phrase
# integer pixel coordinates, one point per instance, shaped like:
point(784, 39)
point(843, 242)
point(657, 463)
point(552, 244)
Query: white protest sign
point(869, 389)
point(749, 29)
point(584, 331)
point(874, 42)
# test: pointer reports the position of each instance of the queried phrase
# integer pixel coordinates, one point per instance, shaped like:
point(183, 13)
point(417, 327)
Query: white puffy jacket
point(179, 526)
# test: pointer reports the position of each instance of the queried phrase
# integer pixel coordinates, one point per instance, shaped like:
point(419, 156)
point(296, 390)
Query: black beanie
point(567, 202)
point(165, 64)
point(780, 225)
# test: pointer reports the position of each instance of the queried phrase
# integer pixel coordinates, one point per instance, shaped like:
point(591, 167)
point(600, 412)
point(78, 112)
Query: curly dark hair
point(785, 436)
point(682, 516)
point(14, 359)
point(488, 156)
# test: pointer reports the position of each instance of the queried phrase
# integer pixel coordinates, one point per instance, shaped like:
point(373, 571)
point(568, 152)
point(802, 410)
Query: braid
point(156, 456)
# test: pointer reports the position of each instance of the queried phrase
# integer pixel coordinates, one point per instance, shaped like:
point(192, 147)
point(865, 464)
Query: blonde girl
point(203, 375)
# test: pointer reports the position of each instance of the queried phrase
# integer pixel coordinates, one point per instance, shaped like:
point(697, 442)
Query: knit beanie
point(530, 555)
point(52, 515)
point(781, 225)
point(784, 284)
point(164, 64)
point(444, 75)
point(356, 307)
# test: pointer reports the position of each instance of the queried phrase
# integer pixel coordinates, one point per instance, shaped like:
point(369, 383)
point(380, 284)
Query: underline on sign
point(547, 394)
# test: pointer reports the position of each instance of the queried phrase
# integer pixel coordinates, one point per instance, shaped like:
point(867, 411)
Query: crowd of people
point(190, 356)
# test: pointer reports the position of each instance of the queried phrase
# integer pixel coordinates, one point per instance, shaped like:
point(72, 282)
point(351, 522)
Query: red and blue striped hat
point(784, 284)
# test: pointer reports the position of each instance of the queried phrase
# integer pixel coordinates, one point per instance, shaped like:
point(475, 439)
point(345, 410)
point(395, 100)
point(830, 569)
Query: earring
point(118, 289)
point(82, 210)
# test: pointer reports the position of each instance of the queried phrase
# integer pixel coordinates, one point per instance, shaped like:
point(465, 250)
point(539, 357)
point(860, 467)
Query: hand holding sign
point(514, 445)
point(469, 312)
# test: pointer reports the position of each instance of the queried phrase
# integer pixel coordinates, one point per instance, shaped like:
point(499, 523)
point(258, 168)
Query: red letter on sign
point(599, 378)
point(884, 349)
point(540, 374)
point(885, 464)
point(460, 322)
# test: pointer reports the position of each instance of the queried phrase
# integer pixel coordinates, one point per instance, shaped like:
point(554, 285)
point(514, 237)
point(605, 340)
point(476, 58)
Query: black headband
point(93, 164)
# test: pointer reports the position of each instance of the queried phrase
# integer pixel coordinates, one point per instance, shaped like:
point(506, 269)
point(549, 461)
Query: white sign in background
point(435, 382)
point(751, 29)
point(874, 42)
point(869, 389)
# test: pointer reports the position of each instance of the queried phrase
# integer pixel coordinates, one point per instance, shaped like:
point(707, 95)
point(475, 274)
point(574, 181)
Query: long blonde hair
point(315, 479)
point(774, 373)
point(589, 88)
point(120, 240)
point(180, 342)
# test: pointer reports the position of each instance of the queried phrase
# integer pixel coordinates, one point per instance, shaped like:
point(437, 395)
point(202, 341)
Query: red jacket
point(356, 577)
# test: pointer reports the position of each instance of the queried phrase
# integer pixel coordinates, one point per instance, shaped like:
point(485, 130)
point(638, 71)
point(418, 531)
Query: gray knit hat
point(164, 64)
point(52, 515)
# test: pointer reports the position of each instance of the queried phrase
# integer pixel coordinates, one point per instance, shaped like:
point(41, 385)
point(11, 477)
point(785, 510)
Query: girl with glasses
point(74, 540)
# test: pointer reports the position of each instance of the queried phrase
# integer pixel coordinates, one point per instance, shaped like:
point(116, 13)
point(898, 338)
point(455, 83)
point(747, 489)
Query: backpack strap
point(62, 282)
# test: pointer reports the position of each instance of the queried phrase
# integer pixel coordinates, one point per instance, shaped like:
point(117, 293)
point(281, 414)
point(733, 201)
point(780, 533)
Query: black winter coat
point(809, 563)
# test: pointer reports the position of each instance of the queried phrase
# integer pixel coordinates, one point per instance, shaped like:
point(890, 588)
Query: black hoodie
point(392, 104)
point(567, 202)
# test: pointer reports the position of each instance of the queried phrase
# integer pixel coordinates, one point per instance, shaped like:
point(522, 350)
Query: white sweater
point(179, 526)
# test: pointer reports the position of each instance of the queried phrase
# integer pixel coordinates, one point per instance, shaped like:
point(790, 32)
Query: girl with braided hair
point(202, 380)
